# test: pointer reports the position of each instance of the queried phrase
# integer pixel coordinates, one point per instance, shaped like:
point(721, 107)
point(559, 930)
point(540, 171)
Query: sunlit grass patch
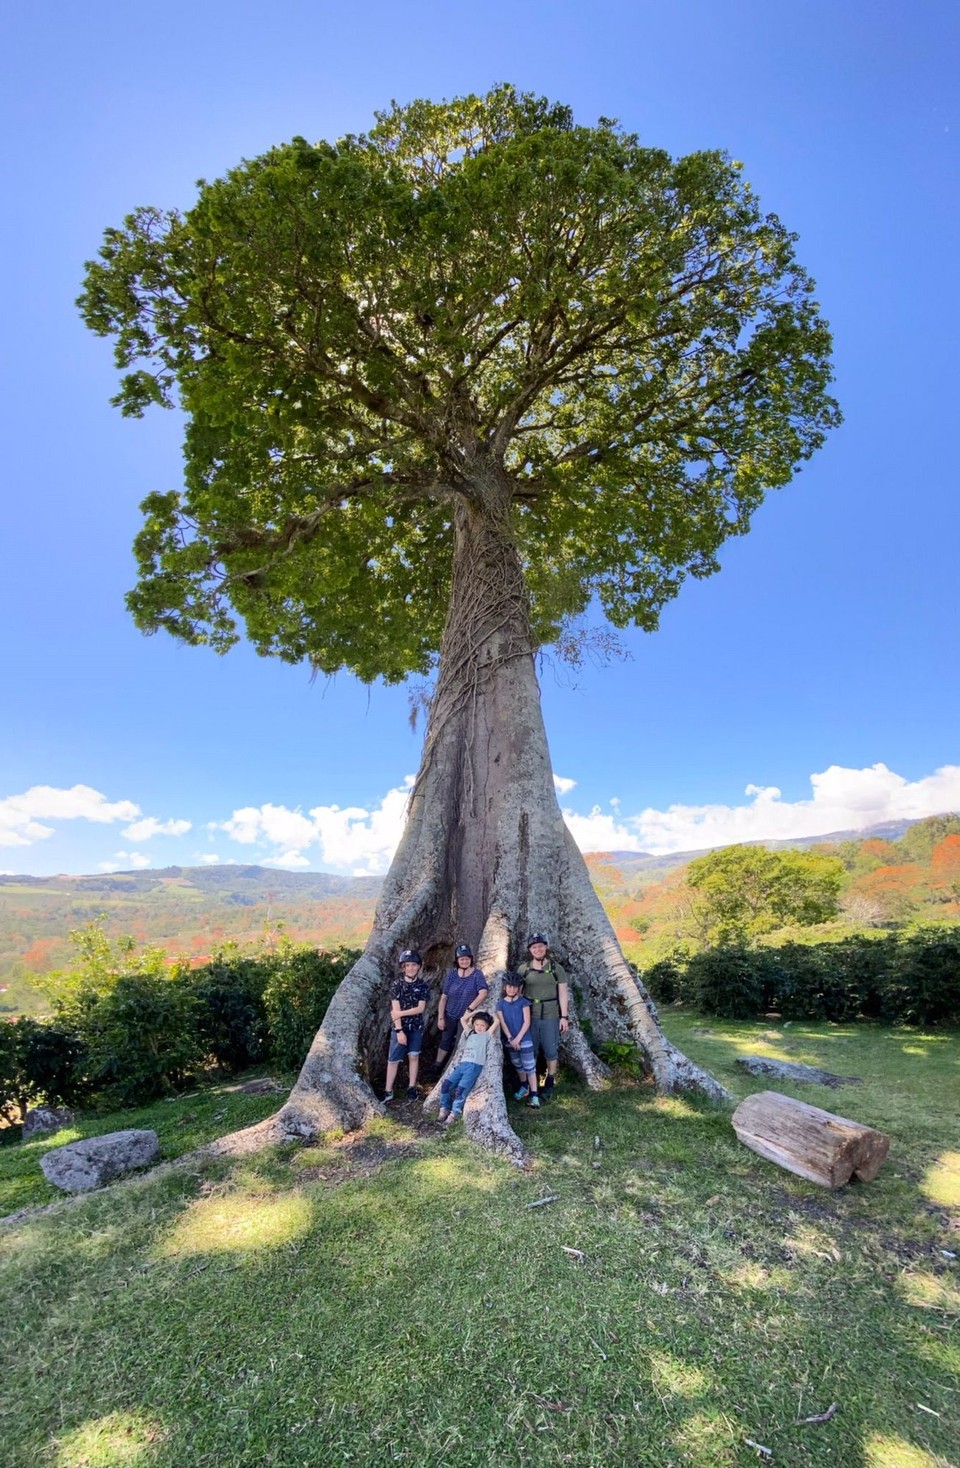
point(883, 1451)
point(675, 1106)
point(119, 1440)
point(672, 1377)
point(930, 1291)
point(757, 1277)
point(942, 1181)
point(230, 1219)
point(706, 1439)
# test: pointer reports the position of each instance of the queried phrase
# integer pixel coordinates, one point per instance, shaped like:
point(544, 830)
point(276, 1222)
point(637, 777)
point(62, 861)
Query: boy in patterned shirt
point(409, 995)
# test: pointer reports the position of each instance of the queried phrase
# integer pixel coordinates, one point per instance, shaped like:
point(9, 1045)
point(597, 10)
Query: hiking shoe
point(413, 1094)
point(522, 1094)
point(534, 1102)
point(442, 1114)
point(450, 1118)
point(387, 1097)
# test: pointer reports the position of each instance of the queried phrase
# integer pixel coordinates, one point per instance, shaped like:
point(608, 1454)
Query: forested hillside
point(909, 873)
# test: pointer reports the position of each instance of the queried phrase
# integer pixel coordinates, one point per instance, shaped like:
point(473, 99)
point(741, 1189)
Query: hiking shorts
point(524, 1060)
point(545, 1036)
point(414, 1034)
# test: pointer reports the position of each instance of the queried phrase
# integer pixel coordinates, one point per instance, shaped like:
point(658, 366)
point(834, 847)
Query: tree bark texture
point(484, 858)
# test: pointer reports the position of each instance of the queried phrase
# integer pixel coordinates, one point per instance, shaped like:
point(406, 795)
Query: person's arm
point(466, 1019)
point(441, 1012)
point(527, 1013)
point(396, 1020)
point(563, 994)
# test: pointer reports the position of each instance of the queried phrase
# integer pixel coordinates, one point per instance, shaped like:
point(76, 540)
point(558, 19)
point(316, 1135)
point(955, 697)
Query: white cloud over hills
point(22, 816)
point(843, 799)
point(361, 840)
point(346, 838)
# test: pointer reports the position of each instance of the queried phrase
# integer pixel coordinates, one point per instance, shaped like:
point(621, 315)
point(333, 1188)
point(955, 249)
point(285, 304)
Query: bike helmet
point(538, 938)
point(409, 956)
point(516, 981)
point(463, 950)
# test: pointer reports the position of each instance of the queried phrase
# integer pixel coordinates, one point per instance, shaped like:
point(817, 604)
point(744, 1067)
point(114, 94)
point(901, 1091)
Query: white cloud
point(208, 858)
point(125, 861)
point(150, 826)
point(287, 859)
point(843, 799)
point(21, 816)
point(273, 823)
point(562, 785)
point(348, 838)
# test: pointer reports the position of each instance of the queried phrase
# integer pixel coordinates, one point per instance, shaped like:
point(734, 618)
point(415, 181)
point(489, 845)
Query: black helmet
point(537, 938)
point(516, 980)
point(409, 956)
point(464, 950)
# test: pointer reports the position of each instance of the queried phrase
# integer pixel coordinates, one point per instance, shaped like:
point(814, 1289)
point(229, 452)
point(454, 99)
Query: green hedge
point(912, 979)
point(125, 1038)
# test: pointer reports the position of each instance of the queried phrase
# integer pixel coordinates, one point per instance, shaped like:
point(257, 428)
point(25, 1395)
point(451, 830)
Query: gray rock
point(789, 1070)
point(40, 1120)
point(266, 1085)
point(80, 1166)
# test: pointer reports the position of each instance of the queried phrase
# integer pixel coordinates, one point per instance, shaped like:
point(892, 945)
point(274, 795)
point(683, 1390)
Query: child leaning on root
point(457, 1086)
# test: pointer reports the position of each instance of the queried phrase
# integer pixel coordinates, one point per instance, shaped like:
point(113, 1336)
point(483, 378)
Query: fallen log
point(814, 1144)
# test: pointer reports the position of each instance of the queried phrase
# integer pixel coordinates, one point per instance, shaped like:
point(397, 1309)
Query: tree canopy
point(748, 890)
point(357, 331)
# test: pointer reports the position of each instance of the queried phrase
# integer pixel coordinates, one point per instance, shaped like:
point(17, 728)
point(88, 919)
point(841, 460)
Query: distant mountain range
point(191, 911)
point(639, 861)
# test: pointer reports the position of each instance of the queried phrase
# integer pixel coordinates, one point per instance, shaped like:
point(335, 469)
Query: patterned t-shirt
point(408, 993)
point(461, 991)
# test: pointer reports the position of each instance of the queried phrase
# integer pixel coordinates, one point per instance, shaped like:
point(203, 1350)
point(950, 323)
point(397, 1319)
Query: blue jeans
point(458, 1085)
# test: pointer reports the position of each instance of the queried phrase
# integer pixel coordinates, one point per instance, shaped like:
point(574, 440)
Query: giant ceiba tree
point(446, 386)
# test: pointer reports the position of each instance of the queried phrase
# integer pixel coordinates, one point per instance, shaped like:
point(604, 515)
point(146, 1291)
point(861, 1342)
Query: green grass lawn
point(396, 1301)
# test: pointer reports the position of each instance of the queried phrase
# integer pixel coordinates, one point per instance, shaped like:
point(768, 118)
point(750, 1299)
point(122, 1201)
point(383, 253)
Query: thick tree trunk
point(485, 857)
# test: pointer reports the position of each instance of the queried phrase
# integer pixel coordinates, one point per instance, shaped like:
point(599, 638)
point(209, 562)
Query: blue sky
point(821, 663)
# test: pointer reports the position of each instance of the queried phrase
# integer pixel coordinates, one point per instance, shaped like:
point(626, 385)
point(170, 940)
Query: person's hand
point(401, 1037)
point(514, 1044)
point(564, 1024)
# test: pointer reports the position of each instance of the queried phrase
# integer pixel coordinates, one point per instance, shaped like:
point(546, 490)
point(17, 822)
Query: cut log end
point(813, 1144)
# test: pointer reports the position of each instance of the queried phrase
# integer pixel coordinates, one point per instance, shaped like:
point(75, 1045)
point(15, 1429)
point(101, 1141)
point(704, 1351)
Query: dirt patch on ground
point(360, 1155)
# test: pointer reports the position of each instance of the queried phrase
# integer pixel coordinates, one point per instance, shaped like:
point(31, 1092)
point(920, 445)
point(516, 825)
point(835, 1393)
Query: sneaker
point(413, 1094)
point(442, 1114)
point(387, 1097)
point(450, 1118)
point(534, 1102)
point(522, 1094)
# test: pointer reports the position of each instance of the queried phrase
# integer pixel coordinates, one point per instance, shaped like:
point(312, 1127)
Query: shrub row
point(913, 979)
point(128, 1038)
